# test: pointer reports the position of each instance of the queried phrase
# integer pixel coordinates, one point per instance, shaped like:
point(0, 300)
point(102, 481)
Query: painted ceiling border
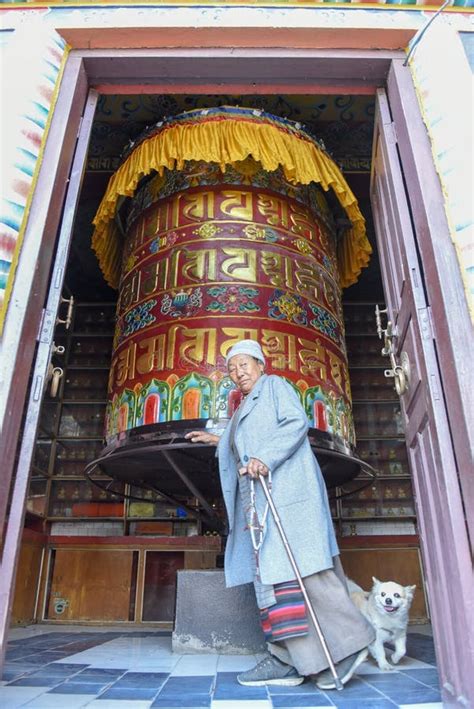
point(462, 6)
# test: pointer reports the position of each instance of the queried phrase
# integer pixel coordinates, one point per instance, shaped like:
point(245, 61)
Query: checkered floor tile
point(137, 670)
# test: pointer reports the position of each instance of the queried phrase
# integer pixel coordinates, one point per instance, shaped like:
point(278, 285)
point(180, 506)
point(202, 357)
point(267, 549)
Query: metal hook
point(399, 371)
point(68, 320)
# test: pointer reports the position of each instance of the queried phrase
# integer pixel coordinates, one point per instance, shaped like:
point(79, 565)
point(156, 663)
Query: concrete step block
point(211, 618)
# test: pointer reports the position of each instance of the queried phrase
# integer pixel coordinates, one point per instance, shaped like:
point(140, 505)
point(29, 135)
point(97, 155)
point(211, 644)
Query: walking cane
point(292, 559)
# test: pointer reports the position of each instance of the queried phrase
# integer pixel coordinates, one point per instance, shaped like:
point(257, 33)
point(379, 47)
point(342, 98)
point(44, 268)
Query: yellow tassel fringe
point(225, 142)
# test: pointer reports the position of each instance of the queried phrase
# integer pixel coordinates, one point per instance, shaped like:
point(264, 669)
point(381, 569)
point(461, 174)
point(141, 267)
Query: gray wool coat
point(273, 428)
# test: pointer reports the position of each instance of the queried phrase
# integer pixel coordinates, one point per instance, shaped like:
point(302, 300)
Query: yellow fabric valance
point(226, 139)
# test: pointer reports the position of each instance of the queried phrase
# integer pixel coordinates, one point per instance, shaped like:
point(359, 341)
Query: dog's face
point(390, 597)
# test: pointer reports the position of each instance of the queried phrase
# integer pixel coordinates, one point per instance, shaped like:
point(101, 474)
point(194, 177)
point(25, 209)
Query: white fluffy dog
point(386, 607)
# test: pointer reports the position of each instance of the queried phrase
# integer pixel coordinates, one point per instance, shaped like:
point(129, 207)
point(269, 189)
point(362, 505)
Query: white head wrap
point(248, 347)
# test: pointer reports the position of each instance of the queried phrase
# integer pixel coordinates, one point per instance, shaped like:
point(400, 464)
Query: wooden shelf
point(80, 478)
point(88, 367)
point(369, 364)
point(76, 438)
point(85, 402)
point(395, 437)
point(398, 476)
point(376, 401)
point(161, 519)
point(384, 476)
point(378, 503)
point(383, 443)
point(38, 471)
point(386, 500)
point(93, 334)
point(70, 438)
point(376, 518)
point(197, 542)
point(88, 519)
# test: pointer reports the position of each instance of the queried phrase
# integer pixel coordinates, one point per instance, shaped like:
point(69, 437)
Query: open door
point(15, 519)
point(409, 343)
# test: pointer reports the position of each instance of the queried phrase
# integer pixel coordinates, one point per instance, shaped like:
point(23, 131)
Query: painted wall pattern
point(446, 106)
point(29, 89)
point(406, 4)
point(343, 124)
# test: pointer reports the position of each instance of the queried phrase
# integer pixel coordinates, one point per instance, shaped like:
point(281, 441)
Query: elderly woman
point(267, 435)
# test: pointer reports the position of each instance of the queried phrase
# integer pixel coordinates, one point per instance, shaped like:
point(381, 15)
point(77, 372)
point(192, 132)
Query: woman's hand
point(254, 468)
point(202, 437)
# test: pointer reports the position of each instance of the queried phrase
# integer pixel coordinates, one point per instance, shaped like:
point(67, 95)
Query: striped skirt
point(287, 618)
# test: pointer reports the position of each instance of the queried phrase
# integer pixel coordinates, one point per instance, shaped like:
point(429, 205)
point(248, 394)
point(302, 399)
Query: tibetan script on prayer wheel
point(211, 257)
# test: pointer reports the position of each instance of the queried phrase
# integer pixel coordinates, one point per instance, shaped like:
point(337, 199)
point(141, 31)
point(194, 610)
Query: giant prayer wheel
point(216, 228)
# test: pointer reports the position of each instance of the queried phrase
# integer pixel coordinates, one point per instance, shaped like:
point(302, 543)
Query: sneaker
point(270, 671)
point(345, 669)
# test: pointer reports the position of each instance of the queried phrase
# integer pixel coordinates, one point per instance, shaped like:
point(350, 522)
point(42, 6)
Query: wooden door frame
point(440, 516)
point(222, 70)
point(450, 322)
point(242, 70)
point(24, 314)
point(155, 70)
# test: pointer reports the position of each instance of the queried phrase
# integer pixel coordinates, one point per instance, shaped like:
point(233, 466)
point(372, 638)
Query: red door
point(441, 517)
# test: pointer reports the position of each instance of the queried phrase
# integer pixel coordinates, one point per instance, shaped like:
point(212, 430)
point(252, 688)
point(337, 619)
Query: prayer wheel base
point(159, 456)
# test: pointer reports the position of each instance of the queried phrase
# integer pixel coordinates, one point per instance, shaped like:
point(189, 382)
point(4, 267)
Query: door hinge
point(430, 317)
point(38, 388)
point(46, 328)
point(79, 126)
point(434, 387)
point(424, 318)
point(392, 131)
point(58, 279)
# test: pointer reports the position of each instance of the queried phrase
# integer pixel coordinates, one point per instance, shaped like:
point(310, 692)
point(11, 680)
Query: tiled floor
point(51, 669)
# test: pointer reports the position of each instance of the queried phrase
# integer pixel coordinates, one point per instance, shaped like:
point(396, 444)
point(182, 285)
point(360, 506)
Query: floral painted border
point(30, 111)
point(446, 107)
point(361, 4)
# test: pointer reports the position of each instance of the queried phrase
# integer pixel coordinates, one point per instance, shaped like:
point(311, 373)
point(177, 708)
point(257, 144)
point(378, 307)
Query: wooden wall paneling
point(159, 594)
point(400, 565)
point(94, 584)
point(199, 560)
point(27, 582)
point(42, 604)
point(140, 585)
point(132, 606)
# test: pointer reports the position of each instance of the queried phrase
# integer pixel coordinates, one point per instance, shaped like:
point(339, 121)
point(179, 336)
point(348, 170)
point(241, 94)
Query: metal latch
point(68, 320)
point(399, 371)
point(55, 373)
